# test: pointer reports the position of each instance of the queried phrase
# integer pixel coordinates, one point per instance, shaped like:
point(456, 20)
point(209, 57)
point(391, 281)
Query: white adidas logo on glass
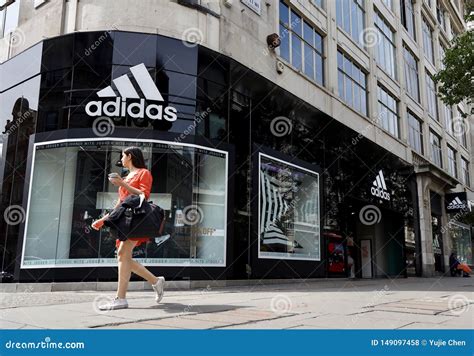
point(379, 188)
point(456, 204)
point(126, 89)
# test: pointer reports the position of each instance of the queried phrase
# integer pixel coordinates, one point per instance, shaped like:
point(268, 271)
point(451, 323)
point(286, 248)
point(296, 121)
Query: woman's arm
point(131, 189)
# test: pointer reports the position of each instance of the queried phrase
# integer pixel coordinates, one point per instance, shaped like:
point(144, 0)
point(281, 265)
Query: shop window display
point(69, 189)
point(288, 211)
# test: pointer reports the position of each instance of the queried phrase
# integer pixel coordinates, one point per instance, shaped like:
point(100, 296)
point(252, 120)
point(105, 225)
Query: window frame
point(452, 164)
point(436, 150)
point(383, 41)
point(411, 117)
point(411, 70)
point(291, 32)
point(381, 88)
point(355, 82)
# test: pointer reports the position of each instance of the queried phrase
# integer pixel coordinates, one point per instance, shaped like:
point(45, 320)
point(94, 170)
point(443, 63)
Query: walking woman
point(138, 181)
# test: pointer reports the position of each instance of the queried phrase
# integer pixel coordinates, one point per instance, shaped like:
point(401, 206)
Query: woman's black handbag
point(136, 217)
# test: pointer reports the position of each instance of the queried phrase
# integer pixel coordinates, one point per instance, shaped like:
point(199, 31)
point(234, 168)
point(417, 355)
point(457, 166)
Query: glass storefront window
point(69, 190)
point(288, 211)
point(461, 242)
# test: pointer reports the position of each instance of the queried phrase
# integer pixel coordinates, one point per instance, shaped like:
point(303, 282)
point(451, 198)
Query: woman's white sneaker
point(159, 287)
point(117, 303)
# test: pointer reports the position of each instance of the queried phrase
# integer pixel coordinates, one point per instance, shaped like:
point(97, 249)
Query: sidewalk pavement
point(413, 303)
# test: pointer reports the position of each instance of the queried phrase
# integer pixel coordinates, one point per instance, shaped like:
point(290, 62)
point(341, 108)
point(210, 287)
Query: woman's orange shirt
point(141, 180)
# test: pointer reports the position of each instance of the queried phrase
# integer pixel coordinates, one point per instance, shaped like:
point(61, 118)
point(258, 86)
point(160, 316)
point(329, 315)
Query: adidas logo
point(126, 89)
point(456, 204)
point(379, 188)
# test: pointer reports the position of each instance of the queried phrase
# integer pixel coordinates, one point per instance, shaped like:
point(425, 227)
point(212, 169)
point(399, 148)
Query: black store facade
point(255, 182)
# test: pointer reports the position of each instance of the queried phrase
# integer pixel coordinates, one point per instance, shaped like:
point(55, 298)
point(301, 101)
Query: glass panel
point(309, 61)
point(284, 14)
point(190, 185)
point(288, 211)
point(296, 45)
point(285, 43)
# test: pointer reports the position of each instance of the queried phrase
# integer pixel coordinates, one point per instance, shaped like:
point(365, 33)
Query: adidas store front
point(249, 189)
point(459, 234)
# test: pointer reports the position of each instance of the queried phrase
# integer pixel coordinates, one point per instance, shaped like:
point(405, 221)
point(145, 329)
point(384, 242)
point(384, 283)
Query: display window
point(69, 189)
point(288, 210)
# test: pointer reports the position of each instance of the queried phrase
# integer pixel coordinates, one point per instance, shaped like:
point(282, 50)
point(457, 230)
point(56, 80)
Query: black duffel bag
point(135, 217)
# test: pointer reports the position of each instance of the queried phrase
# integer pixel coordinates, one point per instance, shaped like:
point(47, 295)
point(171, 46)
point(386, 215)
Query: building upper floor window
point(452, 168)
point(441, 16)
point(411, 74)
point(350, 17)
point(462, 128)
point(352, 83)
point(415, 133)
point(388, 112)
point(428, 41)
point(448, 118)
point(9, 14)
point(431, 103)
point(385, 50)
point(301, 45)
point(465, 171)
point(408, 16)
point(442, 54)
point(318, 3)
point(435, 143)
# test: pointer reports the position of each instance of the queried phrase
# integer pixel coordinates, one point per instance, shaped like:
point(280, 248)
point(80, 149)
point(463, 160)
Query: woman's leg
point(124, 256)
point(143, 272)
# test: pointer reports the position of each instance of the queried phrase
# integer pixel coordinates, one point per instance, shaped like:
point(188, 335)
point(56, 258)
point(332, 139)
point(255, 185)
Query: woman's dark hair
point(137, 156)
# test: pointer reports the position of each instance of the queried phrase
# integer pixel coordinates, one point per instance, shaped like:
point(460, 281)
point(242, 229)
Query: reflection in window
point(9, 14)
point(385, 50)
point(435, 142)
point(388, 113)
point(288, 211)
point(465, 172)
point(452, 167)
point(428, 41)
point(415, 133)
point(408, 16)
point(70, 189)
point(460, 235)
point(352, 83)
point(411, 74)
point(301, 45)
point(350, 17)
point(431, 97)
point(448, 118)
